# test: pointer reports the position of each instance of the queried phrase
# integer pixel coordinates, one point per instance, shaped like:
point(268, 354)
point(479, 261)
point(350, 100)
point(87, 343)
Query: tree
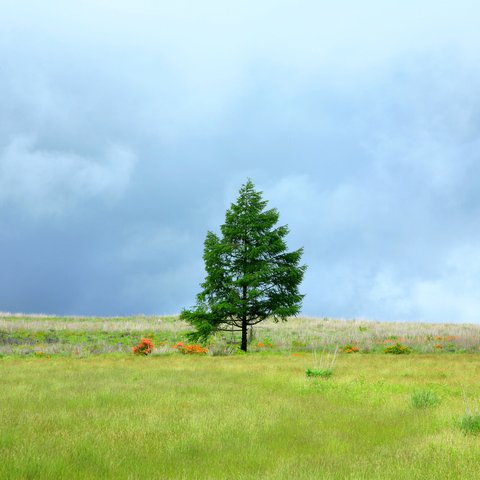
point(250, 275)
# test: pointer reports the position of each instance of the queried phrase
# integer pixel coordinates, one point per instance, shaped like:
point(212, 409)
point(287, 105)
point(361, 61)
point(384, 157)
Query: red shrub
point(145, 347)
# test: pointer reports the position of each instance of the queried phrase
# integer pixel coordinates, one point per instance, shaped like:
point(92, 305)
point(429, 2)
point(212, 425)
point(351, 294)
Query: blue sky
point(127, 128)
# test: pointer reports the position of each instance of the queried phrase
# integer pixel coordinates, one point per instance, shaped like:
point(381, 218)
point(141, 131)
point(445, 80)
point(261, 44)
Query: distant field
point(236, 417)
point(83, 336)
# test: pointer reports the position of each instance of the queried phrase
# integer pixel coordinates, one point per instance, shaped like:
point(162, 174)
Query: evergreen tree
point(250, 274)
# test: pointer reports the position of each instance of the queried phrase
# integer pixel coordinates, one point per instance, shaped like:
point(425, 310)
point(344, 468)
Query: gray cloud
point(127, 129)
point(52, 183)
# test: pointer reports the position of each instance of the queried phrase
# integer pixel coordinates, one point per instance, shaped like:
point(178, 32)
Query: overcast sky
point(127, 128)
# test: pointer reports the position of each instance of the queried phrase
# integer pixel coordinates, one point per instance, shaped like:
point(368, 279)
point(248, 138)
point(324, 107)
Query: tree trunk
point(244, 335)
point(244, 319)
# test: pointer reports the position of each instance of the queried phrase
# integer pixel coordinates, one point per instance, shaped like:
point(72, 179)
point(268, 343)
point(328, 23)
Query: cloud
point(445, 296)
point(131, 125)
point(45, 183)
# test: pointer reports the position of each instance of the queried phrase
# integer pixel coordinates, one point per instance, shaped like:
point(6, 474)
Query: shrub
point(192, 349)
point(351, 349)
point(144, 347)
point(320, 372)
point(451, 347)
point(470, 423)
point(424, 399)
point(397, 349)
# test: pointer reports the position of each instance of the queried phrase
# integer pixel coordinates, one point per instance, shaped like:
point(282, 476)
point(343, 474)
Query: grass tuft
point(320, 372)
point(398, 349)
point(469, 424)
point(424, 399)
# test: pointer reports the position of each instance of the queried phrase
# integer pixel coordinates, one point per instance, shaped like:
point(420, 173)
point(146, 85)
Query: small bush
point(397, 349)
point(144, 347)
point(470, 423)
point(192, 349)
point(320, 372)
point(424, 399)
point(350, 349)
point(452, 348)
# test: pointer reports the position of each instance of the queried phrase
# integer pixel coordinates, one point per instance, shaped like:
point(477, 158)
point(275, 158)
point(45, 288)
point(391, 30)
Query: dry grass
point(37, 324)
point(298, 334)
point(327, 333)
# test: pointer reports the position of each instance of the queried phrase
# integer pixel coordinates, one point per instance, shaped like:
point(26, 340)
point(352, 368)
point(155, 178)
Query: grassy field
point(76, 403)
point(83, 336)
point(250, 416)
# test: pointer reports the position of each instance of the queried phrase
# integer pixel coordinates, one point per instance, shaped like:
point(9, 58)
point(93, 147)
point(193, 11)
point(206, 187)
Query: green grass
point(424, 399)
point(470, 424)
point(319, 372)
point(236, 417)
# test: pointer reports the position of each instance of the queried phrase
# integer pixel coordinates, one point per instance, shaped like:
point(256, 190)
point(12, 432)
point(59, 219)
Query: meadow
point(24, 335)
point(76, 403)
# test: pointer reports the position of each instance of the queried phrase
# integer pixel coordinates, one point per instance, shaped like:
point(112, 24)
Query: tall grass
point(23, 334)
point(323, 364)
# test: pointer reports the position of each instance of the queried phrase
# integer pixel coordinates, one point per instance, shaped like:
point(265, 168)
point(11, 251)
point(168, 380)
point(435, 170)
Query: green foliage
point(452, 348)
point(398, 349)
point(250, 274)
point(470, 423)
point(424, 399)
point(319, 372)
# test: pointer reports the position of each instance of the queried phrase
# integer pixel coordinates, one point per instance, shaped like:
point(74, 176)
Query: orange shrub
point(351, 349)
point(191, 349)
point(145, 347)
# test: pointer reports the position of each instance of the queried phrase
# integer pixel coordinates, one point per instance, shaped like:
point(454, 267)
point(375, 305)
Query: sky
point(127, 128)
